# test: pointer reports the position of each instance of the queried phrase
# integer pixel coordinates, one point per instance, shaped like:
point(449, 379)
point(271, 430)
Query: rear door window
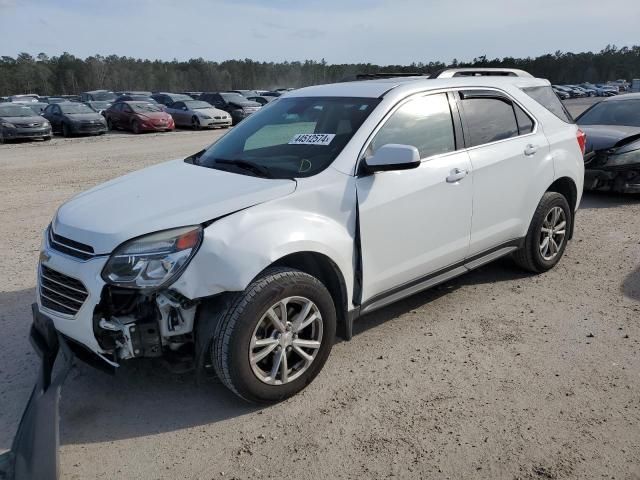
point(488, 119)
point(525, 123)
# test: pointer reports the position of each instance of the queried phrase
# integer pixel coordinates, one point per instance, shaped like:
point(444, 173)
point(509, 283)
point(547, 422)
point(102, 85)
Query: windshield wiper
point(259, 170)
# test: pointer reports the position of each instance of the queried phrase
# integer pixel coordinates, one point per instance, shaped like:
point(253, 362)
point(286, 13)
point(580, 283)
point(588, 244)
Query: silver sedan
point(198, 114)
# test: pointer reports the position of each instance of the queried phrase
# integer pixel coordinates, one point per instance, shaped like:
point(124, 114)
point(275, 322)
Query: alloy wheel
point(553, 233)
point(286, 340)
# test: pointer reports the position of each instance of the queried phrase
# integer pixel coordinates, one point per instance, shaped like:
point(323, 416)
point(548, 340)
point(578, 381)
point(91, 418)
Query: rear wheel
point(548, 234)
point(275, 337)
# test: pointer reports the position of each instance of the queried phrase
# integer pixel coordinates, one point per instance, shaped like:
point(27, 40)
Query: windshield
point(180, 98)
point(621, 112)
point(197, 104)
point(233, 97)
point(104, 96)
point(293, 137)
point(15, 111)
point(145, 107)
point(73, 108)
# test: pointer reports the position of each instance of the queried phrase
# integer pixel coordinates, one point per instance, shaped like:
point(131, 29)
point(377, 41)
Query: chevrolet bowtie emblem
point(44, 256)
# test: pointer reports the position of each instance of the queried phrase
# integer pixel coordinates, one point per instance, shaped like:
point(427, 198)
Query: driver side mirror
point(393, 156)
point(185, 108)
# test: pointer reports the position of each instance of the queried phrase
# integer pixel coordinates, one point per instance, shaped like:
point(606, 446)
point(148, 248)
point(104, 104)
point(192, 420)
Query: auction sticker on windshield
point(312, 139)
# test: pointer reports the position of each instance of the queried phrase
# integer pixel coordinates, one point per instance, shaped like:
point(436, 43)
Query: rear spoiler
point(34, 452)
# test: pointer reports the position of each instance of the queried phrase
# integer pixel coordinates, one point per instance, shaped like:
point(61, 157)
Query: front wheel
point(66, 130)
point(195, 123)
point(275, 337)
point(548, 234)
point(135, 127)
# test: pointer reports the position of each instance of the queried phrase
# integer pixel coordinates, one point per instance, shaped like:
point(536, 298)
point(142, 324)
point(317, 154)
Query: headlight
point(206, 117)
point(152, 260)
point(622, 159)
point(46, 123)
point(8, 125)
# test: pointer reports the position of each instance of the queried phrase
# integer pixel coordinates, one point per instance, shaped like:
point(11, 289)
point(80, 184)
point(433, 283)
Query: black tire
point(234, 331)
point(66, 131)
point(195, 123)
point(135, 127)
point(47, 138)
point(2, 139)
point(109, 124)
point(530, 257)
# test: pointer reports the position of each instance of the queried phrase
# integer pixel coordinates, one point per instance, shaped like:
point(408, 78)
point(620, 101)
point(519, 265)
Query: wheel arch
point(566, 187)
point(324, 269)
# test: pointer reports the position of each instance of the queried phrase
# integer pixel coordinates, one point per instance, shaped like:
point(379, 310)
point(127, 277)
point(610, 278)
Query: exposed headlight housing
point(153, 260)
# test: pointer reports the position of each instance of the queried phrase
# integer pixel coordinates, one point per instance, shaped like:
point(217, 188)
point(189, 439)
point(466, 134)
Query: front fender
point(235, 249)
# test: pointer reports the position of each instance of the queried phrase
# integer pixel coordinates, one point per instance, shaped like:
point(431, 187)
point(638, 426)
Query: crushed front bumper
point(610, 180)
point(34, 452)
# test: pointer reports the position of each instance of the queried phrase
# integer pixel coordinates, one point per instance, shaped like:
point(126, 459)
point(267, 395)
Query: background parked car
point(19, 121)
point(134, 97)
point(50, 100)
point(233, 103)
point(167, 99)
point(98, 96)
point(138, 117)
point(27, 97)
point(98, 106)
point(197, 114)
point(74, 118)
point(262, 100)
point(246, 93)
point(612, 154)
point(37, 107)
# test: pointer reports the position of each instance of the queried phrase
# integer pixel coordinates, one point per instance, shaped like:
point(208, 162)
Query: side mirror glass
point(393, 156)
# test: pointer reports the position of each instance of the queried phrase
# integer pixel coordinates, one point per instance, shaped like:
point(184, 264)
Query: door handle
point(456, 175)
point(530, 150)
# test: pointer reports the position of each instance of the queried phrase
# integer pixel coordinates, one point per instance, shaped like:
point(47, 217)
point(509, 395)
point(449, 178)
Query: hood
point(168, 195)
point(154, 115)
point(78, 117)
point(212, 112)
point(603, 137)
point(22, 120)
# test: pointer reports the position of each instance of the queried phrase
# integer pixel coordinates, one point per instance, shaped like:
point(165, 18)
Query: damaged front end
point(132, 324)
point(615, 169)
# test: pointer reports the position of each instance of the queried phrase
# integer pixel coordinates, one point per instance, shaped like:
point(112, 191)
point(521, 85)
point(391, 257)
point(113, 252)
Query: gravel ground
point(497, 374)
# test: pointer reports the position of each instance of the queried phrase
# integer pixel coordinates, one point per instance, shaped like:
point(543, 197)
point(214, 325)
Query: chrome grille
point(70, 247)
point(61, 293)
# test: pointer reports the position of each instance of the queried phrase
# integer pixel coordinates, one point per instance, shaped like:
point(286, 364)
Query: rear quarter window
point(546, 97)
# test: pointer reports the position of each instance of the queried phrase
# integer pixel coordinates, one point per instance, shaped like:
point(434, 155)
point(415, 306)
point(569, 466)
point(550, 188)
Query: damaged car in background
point(612, 155)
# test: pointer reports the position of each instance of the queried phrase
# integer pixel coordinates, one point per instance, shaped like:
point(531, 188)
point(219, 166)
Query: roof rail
point(480, 72)
point(375, 76)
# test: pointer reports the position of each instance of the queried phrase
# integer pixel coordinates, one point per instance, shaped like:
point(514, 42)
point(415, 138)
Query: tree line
point(67, 74)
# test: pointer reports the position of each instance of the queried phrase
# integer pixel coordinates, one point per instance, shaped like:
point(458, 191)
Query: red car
point(138, 117)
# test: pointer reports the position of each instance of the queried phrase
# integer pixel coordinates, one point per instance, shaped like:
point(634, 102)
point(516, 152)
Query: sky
point(340, 31)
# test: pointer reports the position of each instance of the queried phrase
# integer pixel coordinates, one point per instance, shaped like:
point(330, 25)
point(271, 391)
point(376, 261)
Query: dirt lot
point(497, 374)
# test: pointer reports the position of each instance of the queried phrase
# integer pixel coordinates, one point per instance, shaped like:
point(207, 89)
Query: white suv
point(329, 203)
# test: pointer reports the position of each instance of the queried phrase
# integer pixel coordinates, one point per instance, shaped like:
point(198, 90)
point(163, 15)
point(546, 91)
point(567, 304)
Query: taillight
point(582, 140)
